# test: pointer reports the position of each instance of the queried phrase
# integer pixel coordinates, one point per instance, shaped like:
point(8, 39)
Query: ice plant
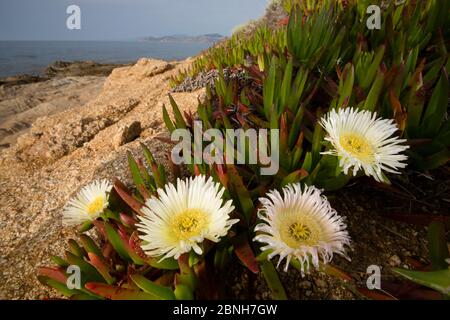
point(363, 141)
point(88, 204)
point(300, 225)
point(182, 217)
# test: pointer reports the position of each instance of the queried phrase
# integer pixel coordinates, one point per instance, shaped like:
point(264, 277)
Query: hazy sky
point(123, 19)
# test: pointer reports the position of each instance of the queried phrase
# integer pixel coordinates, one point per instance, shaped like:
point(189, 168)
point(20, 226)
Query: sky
point(123, 19)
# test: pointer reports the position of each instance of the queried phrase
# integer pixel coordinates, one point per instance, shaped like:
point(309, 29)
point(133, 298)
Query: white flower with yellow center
point(182, 217)
point(300, 225)
point(88, 204)
point(361, 141)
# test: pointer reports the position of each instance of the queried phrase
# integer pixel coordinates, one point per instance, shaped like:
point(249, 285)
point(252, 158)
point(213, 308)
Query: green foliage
point(326, 58)
point(322, 58)
point(439, 278)
point(119, 270)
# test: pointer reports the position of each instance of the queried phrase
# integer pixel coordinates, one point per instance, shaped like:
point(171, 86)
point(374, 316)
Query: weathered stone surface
point(21, 105)
point(79, 68)
point(64, 151)
point(127, 133)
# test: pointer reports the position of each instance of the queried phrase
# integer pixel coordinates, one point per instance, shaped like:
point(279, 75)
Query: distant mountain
point(204, 38)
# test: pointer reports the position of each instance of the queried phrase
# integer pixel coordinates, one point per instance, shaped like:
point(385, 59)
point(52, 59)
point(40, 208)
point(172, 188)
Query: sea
point(31, 57)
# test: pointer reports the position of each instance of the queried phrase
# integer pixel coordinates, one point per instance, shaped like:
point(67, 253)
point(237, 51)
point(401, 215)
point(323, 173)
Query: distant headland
point(204, 38)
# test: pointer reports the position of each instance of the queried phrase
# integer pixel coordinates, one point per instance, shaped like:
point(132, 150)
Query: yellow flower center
point(358, 146)
point(188, 223)
point(300, 230)
point(96, 206)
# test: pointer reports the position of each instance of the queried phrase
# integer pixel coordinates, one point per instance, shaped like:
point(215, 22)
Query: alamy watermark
point(374, 20)
point(74, 280)
point(374, 280)
point(73, 21)
point(239, 146)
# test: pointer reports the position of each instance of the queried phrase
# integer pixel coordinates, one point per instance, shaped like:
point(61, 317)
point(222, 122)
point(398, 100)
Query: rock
point(149, 68)
point(127, 133)
point(59, 136)
point(320, 283)
point(305, 285)
point(64, 151)
point(20, 80)
point(21, 105)
point(394, 261)
point(79, 68)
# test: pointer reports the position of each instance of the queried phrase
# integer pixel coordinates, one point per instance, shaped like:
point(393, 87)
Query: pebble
point(320, 283)
point(204, 79)
point(394, 261)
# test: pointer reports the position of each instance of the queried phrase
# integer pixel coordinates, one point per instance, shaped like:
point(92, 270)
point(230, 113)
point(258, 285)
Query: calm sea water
point(31, 57)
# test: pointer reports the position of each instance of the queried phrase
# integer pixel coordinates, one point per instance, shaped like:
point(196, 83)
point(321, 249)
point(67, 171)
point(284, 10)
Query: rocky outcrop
point(25, 98)
point(66, 150)
point(80, 68)
point(21, 105)
point(20, 80)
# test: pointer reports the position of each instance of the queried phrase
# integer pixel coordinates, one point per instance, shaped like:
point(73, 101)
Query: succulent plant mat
point(387, 231)
point(355, 206)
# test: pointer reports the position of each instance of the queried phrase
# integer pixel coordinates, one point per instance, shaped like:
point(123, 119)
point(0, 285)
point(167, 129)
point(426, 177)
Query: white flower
point(88, 204)
point(361, 141)
point(301, 225)
point(184, 216)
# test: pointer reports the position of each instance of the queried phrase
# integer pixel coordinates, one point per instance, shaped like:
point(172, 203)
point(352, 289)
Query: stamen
point(96, 206)
point(188, 224)
point(357, 145)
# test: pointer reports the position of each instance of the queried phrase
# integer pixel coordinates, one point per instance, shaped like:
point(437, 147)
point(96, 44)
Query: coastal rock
point(51, 138)
point(127, 133)
point(20, 80)
point(21, 105)
point(144, 69)
point(79, 69)
point(62, 152)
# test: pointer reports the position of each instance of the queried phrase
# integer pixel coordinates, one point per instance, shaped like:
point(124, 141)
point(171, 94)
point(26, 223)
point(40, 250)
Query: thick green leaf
point(269, 87)
point(85, 226)
point(89, 245)
point(294, 177)
point(437, 280)
point(57, 274)
point(118, 293)
point(434, 113)
point(136, 173)
point(183, 292)
point(245, 253)
point(84, 266)
point(273, 281)
point(187, 275)
point(166, 264)
point(76, 249)
point(60, 262)
point(374, 93)
point(437, 244)
point(346, 86)
point(169, 124)
point(156, 290)
point(60, 287)
point(116, 242)
point(179, 120)
point(134, 204)
point(100, 265)
point(241, 191)
point(157, 170)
